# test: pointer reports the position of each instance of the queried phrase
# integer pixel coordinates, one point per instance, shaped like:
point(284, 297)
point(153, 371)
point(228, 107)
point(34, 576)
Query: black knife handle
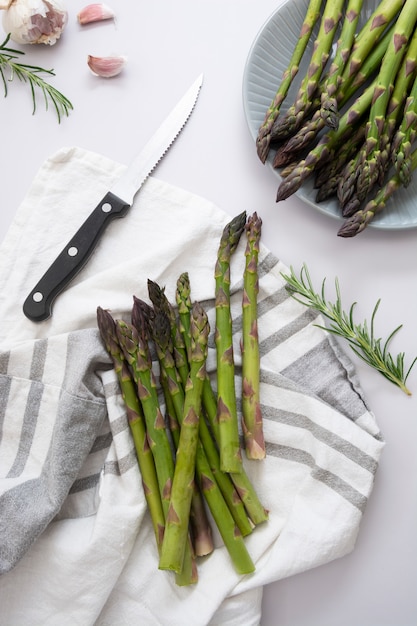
point(38, 305)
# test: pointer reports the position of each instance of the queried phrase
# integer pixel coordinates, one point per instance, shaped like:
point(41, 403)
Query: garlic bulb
point(34, 21)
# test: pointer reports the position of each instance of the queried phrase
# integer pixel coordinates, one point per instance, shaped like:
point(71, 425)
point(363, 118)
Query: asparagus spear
point(370, 162)
point(374, 33)
point(230, 453)
point(257, 513)
point(209, 454)
point(134, 342)
point(360, 220)
point(158, 298)
point(229, 531)
point(264, 134)
point(296, 113)
point(174, 397)
point(348, 86)
point(136, 351)
point(177, 522)
point(252, 423)
point(328, 176)
point(329, 111)
point(223, 479)
point(107, 327)
point(401, 151)
point(327, 146)
point(349, 200)
point(224, 505)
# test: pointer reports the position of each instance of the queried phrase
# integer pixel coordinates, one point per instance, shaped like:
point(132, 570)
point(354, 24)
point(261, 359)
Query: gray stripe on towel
point(297, 420)
point(267, 264)
point(38, 359)
point(102, 442)
point(5, 384)
point(122, 465)
point(329, 479)
point(30, 420)
point(287, 331)
point(82, 484)
point(4, 362)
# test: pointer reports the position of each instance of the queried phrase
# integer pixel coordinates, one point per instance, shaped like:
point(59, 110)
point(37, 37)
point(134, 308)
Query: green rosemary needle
point(361, 337)
point(31, 74)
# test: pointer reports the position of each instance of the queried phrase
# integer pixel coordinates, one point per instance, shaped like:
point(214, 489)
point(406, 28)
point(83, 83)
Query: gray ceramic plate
point(267, 59)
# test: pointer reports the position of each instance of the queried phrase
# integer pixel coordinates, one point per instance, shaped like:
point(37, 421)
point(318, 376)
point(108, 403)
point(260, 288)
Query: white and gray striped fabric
point(75, 538)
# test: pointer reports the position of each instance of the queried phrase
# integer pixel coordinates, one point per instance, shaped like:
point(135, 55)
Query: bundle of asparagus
point(184, 444)
point(353, 122)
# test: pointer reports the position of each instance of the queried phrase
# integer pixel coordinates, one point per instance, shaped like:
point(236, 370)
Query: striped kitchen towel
point(76, 544)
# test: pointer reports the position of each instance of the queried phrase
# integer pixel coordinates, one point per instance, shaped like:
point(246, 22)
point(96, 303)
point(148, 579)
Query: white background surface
point(168, 44)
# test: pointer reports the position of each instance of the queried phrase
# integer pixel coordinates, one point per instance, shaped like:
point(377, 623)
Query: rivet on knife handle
point(38, 305)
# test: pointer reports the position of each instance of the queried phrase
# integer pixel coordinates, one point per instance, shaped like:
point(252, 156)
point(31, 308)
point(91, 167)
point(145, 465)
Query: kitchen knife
point(116, 202)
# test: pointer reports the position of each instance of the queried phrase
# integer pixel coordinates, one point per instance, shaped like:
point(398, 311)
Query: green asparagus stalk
point(183, 300)
point(229, 531)
point(325, 149)
point(212, 482)
point(371, 160)
point(134, 342)
point(252, 423)
point(349, 84)
point(328, 177)
point(181, 346)
point(200, 528)
point(244, 488)
point(161, 303)
point(264, 134)
point(225, 482)
point(107, 327)
point(349, 200)
point(401, 150)
point(170, 415)
point(174, 397)
point(177, 522)
point(159, 326)
point(257, 513)
point(159, 299)
point(136, 351)
point(329, 110)
point(142, 316)
point(360, 220)
point(161, 334)
point(286, 171)
point(126, 336)
point(402, 85)
point(223, 479)
point(348, 87)
point(230, 453)
point(373, 34)
point(293, 118)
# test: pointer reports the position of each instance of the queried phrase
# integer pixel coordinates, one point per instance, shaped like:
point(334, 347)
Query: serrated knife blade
point(116, 202)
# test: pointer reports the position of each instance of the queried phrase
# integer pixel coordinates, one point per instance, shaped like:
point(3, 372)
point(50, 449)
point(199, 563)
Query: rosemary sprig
point(361, 337)
point(31, 74)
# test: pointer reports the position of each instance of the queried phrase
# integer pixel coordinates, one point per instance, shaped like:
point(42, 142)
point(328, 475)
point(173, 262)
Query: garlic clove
point(107, 67)
point(95, 13)
point(35, 21)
